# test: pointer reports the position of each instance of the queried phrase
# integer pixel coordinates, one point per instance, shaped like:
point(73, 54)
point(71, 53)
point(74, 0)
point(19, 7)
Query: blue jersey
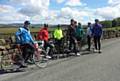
point(23, 36)
point(97, 30)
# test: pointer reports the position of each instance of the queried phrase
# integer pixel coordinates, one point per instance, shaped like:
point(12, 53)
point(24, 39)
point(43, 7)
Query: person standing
point(97, 33)
point(58, 36)
point(79, 35)
point(72, 36)
point(89, 35)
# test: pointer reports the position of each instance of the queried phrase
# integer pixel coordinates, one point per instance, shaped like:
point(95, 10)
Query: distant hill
point(18, 25)
point(14, 25)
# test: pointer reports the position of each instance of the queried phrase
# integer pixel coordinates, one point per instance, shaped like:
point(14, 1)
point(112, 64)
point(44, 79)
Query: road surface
point(87, 67)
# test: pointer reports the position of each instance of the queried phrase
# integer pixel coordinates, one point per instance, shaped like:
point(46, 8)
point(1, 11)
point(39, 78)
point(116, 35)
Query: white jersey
point(89, 31)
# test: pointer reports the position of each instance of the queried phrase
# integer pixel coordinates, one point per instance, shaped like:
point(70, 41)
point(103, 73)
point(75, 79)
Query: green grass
point(13, 30)
point(112, 28)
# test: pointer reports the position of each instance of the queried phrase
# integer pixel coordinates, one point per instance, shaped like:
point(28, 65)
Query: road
point(87, 67)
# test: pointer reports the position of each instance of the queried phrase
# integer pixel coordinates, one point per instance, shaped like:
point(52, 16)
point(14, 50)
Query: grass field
point(13, 30)
point(113, 28)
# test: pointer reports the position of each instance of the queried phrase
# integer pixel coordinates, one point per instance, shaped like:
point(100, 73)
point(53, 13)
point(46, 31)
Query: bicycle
point(39, 57)
point(11, 58)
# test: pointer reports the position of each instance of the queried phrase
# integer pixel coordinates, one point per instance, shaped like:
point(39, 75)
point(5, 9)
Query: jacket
point(58, 34)
point(43, 34)
point(97, 30)
point(89, 31)
point(79, 32)
point(71, 32)
point(24, 36)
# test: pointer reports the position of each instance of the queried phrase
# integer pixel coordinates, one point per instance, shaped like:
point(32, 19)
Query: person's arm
point(61, 33)
point(45, 35)
point(31, 39)
point(101, 31)
point(83, 32)
point(93, 31)
point(54, 33)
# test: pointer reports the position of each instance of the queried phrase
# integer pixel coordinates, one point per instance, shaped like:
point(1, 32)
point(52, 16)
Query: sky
point(58, 11)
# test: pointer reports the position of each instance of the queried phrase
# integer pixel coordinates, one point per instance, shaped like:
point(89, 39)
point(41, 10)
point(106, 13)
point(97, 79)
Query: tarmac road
point(87, 67)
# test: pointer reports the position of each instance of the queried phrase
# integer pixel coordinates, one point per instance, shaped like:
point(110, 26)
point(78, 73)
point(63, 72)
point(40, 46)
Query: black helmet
point(46, 25)
point(71, 20)
point(89, 23)
point(96, 20)
point(27, 22)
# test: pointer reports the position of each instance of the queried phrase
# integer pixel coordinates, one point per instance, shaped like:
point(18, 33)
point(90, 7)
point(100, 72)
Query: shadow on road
point(10, 71)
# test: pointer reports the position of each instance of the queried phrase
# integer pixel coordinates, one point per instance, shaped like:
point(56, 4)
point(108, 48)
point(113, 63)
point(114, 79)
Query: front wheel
point(39, 59)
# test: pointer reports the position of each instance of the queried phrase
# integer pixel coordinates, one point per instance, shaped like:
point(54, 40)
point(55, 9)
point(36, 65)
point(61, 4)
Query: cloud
point(31, 7)
point(111, 11)
point(6, 9)
point(63, 16)
point(74, 3)
point(113, 2)
point(38, 11)
point(9, 14)
point(20, 10)
point(60, 1)
point(47, 18)
point(108, 12)
point(68, 13)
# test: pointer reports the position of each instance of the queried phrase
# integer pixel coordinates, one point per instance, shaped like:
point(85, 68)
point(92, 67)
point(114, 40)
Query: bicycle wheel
point(40, 60)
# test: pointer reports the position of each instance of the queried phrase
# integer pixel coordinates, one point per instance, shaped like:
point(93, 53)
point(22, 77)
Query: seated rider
point(43, 35)
point(24, 38)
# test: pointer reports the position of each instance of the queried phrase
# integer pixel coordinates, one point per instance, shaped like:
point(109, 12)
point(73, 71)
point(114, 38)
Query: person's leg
point(30, 51)
point(95, 42)
point(45, 45)
point(49, 51)
point(99, 43)
point(24, 52)
point(46, 49)
point(78, 45)
point(57, 45)
point(62, 45)
point(89, 42)
point(70, 44)
point(75, 46)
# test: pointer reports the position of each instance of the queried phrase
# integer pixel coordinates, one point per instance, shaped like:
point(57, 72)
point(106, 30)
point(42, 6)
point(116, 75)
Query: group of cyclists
point(75, 34)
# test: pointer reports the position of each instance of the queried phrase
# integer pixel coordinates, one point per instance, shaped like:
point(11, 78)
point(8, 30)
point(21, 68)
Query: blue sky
point(58, 11)
point(90, 3)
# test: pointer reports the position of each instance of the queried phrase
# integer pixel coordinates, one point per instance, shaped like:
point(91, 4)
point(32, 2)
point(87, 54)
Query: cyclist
point(72, 36)
point(79, 34)
point(97, 32)
point(89, 35)
point(58, 36)
point(24, 38)
point(43, 35)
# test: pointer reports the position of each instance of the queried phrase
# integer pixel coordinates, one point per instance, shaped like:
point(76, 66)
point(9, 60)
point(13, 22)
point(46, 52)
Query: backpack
point(79, 32)
point(18, 39)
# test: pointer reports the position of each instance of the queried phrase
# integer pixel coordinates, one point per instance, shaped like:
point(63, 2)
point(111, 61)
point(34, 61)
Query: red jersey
point(43, 34)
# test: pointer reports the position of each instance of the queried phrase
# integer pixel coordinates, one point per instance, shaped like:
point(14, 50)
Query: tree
point(114, 23)
point(106, 23)
point(118, 21)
